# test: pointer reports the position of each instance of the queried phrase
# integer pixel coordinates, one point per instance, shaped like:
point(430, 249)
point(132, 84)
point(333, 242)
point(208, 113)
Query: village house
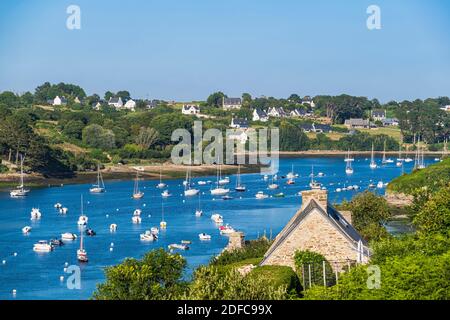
point(357, 123)
point(115, 102)
point(378, 115)
point(446, 108)
point(389, 122)
point(308, 100)
point(260, 115)
point(237, 123)
point(299, 113)
point(77, 100)
point(316, 127)
point(277, 112)
point(97, 105)
point(190, 109)
point(130, 105)
point(59, 101)
point(320, 228)
point(231, 103)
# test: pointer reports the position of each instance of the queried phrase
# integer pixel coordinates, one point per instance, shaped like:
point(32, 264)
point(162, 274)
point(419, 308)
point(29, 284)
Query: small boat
point(217, 218)
point(68, 236)
point(266, 177)
point(147, 236)
point(372, 185)
point(408, 159)
point(63, 210)
point(204, 236)
point(279, 195)
point(261, 195)
point(90, 232)
point(273, 186)
point(81, 253)
point(154, 230)
point(166, 194)
point(338, 189)
point(202, 183)
point(321, 174)
point(219, 191)
point(372, 164)
point(112, 227)
point(20, 190)
point(35, 214)
point(239, 187)
point(136, 219)
point(186, 241)
point(26, 229)
point(161, 184)
point(224, 181)
point(58, 205)
point(137, 193)
point(380, 184)
point(178, 246)
point(191, 192)
point(291, 175)
point(227, 197)
point(82, 220)
point(290, 181)
point(137, 212)
point(198, 213)
point(349, 160)
point(163, 223)
point(42, 246)
point(314, 184)
point(226, 229)
point(56, 242)
point(99, 187)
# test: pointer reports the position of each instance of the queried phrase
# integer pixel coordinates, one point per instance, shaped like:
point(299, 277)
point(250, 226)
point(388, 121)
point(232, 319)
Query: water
point(37, 275)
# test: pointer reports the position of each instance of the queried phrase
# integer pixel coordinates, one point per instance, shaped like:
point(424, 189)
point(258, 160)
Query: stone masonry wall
point(315, 233)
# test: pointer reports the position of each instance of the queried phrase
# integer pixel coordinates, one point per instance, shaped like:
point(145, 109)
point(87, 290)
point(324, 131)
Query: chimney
point(236, 240)
point(320, 196)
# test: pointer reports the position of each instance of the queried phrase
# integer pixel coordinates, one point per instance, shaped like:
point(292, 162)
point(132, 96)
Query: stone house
point(378, 115)
point(130, 105)
point(115, 102)
point(357, 123)
point(237, 123)
point(320, 228)
point(231, 103)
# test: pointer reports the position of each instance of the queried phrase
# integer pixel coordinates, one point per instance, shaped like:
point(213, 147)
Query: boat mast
point(372, 157)
point(384, 152)
point(238, 180)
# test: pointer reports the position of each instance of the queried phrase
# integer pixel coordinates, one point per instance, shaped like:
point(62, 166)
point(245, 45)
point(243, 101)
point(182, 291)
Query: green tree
point(215, 99)
point(158, 276)
point(146, 137)
point(434, 216)
point(73, 129)
point(96, 136)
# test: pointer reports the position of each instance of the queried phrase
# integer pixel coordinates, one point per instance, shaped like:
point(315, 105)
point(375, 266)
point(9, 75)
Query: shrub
point(307, 262)
point(278, 276)
point(252, 249)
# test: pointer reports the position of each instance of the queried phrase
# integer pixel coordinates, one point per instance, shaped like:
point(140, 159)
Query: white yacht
point(154, 230)
point(147, 236)
point(166, 194)
point(349, 160)
point(136, 219)
point(35, 214)
point(373, 164)
point(81, 253)
point(189, 191)
point(261, 195)
point(42, 246)
point(219, 191)
point(26, 229)
point(113, 227)
point(239, 187)
point(20, 190)
point(68, 236)
point(99, 187)
point(137, 193)
point(217, 218)
point(137, 212)
point(161, 184)
point(83, 219)
point(204, 236)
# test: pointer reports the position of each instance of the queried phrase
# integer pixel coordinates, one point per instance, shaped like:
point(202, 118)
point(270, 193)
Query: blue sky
point(186, 49)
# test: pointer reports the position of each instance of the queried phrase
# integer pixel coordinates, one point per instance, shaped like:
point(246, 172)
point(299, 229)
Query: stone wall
point(236, 240)
point(320, 196)
point(314, 233)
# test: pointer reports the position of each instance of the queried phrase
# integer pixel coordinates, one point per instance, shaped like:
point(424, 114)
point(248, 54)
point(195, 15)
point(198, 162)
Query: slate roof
point(114, 100)
point(332, 215)
point(232, 101)
point(242, 123)
point(261, 113)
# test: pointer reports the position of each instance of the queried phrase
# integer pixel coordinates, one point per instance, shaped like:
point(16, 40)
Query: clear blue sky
point(186, 49)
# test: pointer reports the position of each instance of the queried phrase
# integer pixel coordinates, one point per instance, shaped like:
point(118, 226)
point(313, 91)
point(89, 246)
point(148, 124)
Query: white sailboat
point(291, 175)
point(199, 211)
point(20, 190)
point(314, 184)
point(385, 160)
point(161, 184)
point(137, 193)
point(348, 160)
point(400, 160)
point(219, 191)
point(83, 219)
point(273, 185)
point(189, 191)
point(99, 187)
point(239, 187)
point(373, 164)
point(163, 223)
point(81, 253)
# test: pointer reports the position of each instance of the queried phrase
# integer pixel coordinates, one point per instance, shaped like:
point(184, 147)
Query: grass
point(390, 131)
point(335, 136)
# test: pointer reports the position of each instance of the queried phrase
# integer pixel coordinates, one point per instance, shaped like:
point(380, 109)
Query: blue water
point(37, 275)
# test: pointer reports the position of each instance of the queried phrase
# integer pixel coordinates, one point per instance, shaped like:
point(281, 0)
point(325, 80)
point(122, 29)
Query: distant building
point(446, 108)
point(308, 100)
point(320, 228)
point(151, 104)
point(357, 123)
point(299, 113)
point(77, 100)
point(59, 101)
point(316, 128)
point(190, 109)
point(130, 105)
point(231, 103)
point(97, 105)
point(115, 102)
point(239, 135)
point(277, 112)
point(388, 122)
point(378, 115)
point(239, 123)
point(260, 115)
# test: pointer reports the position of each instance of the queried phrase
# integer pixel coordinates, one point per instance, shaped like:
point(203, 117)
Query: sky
point(186, 49)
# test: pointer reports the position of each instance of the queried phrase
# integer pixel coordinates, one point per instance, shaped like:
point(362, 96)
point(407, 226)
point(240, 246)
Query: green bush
point(278, 276)
point(252, 249)
point(3, 168)
point(309, 265)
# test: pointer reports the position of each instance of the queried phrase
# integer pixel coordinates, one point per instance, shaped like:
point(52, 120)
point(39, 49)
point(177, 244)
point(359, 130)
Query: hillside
point(434, 177)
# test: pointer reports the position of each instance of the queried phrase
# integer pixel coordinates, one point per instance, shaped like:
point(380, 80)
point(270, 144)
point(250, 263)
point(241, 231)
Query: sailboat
point(189, 191)
point(385, 160)
point(291, 175)
point(348, 160)
point(161, 184)
point(81, 253)
point(400, 160)
point(137, 194)
point(199, 211)
point(239, 187)
point(373, 164)
point(218, 190)
point(100, 186)
point(83, 219)
point(20, 190)
point(273, 185)
point(162, 224)
point(313, 184)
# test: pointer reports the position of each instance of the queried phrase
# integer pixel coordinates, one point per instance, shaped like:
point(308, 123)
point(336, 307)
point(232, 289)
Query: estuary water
point(38, 275)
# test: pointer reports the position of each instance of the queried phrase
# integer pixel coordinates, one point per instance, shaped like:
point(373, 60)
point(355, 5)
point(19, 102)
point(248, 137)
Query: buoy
point(65, 269)
point(144, 205)
point(61, 278)
point(15, 254)
point(4, 261)
point(66, 264)
point(112, 244)
point(111, 249)
point(107, 215)
point(117, 209)
point(14, 292)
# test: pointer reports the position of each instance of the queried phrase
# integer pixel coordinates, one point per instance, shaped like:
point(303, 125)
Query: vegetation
point(307, 260)
point(253, 249)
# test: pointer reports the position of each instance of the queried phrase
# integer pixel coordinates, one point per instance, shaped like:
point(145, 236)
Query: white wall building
point(130, 105)
point(190, 109)
point(115, 102)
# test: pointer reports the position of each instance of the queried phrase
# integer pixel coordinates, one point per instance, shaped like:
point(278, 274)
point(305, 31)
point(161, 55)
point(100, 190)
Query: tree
point(96, 136)
point(73, 129)
point(295, 98)
point(246, 99)
point(434, 216)
point(292, 138)
point(158, 276)
point(124, 95)
point(108, 95)
point(369, 212)
point(215, 99)
point(146, 137)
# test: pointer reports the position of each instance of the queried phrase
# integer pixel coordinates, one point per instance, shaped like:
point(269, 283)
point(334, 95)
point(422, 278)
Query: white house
point(277, 112)
point(59, 101)
point(96, 106)
point(237, 123)
point(308, 100)
point(77, 100)
point(190, 109)
point(115, 102)
point(239, 135)
point(446, 108)
point(231, 103)
point(260, 115)
point(130, 105)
